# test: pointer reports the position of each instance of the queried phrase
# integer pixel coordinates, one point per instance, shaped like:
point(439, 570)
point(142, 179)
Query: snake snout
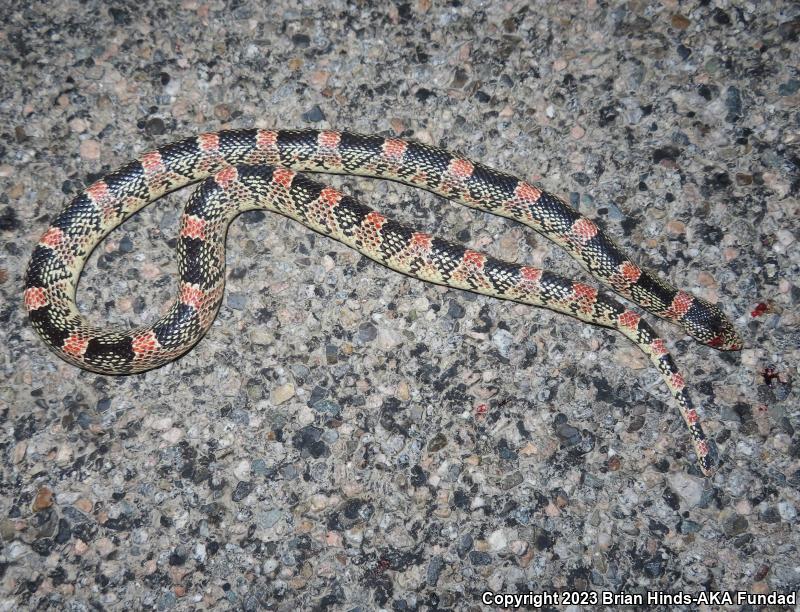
point(718, 332)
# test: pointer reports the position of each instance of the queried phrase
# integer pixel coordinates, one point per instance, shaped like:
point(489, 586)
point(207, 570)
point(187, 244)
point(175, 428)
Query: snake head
point(707, 324)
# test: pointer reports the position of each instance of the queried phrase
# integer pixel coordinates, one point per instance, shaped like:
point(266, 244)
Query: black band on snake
point(257, 169)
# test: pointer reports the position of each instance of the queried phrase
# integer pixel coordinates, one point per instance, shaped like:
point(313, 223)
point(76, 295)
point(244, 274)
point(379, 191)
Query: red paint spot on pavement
point(759, 310)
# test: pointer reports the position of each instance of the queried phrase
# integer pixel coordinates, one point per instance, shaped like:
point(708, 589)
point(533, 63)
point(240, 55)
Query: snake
point(262, 169)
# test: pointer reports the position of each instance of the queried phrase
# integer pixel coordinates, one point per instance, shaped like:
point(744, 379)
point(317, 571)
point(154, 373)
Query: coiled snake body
point(257, 169)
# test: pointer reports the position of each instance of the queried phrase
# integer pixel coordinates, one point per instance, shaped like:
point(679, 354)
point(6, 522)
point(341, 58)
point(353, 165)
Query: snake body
point(258, 169)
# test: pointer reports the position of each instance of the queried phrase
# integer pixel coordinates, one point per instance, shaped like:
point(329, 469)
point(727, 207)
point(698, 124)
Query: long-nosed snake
point(257, 169)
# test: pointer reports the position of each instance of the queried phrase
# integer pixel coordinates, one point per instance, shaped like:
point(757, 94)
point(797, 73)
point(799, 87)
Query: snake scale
point(258, 169)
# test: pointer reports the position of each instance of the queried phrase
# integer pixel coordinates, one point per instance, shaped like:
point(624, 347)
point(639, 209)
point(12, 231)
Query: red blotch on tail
point(226, 176)
point(193, 227)
point(208, 142)
point(629, 319)
point(75, 345)
point(473, 259)
point(376, 219)
point(35, 298)
point(680, 304)
point(145, 343)
point(283, 177)
point(52, 237)
point(330, 197)
point(329, 139)
point(394, 149)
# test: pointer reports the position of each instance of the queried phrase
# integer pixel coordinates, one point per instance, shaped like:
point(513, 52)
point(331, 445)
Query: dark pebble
point(43, 546)
point(569, 435)
point(317, 393)
point(126, 244)
point(671, 499)
point(669, 152)
point(438, 442)
point(607, 115)
point(455, 310)
point(353, 512)
point(511, 481)
point(178, 557)
point(654, 567)
point(103, 404)
point(64, 532)
point(581, 178)
point(242, 490)
point(718, 181)
point(315, 115)
point(367, 332)
point(636, 424)
point(735, 525)
point(733, 102)
point(790, 30)
point(327, 407)
point(120, 16)
point(683, 51)
point(331, 354)
point(687, 526)
point(423, 94)
point(770, 515)
point(8, 220)
point(434, 570)
point(308, 442)
point(464, 545)
point(789, 88)
point(155, 126)
point(721, 17)
point(460, 78)
point(460, 500)
point(477, 557)
point(707, 93)
point(301, 40)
